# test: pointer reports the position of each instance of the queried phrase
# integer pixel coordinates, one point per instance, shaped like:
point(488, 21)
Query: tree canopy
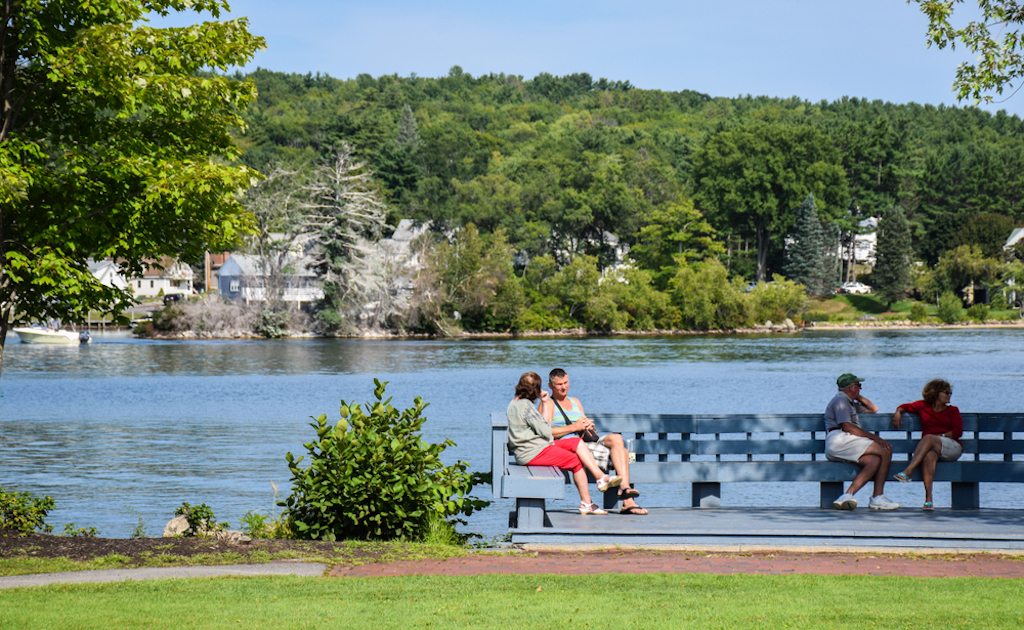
point(114, 143)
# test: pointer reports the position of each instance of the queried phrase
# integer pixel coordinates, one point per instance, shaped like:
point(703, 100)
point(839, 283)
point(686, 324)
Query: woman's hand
point(897, 418)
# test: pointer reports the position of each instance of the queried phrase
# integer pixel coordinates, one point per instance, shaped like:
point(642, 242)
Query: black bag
point(588, 435)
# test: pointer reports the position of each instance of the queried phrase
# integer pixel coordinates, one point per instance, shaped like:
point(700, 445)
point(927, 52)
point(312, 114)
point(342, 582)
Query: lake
point(122, 431)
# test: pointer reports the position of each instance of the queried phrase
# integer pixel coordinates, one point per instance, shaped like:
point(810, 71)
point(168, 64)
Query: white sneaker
point(845, 502)
point(881, 502)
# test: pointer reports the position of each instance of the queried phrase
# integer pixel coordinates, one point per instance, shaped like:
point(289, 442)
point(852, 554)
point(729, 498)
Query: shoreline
point(582, 333)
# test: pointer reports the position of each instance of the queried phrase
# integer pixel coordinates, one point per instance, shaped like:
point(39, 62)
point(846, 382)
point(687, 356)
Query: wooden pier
point(791, 527)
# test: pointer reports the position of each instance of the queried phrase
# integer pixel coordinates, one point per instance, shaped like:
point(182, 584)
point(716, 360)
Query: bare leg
point(928, 473)
point(928, 444)
point(587, 458)
point(582, 484)
point(620, 461)
point(869, 464)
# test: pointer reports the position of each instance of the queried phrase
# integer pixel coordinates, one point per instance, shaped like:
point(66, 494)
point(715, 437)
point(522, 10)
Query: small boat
point(38, 334)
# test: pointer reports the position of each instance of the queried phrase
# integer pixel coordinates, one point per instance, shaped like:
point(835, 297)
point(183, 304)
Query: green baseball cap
point(847, 379)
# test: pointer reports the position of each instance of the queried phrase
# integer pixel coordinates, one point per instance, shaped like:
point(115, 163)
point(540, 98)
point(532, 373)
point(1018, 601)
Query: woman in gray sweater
point(530, 442)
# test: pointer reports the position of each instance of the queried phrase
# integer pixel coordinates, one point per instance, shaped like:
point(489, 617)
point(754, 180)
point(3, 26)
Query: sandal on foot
point(636, 510)
point(901, 477)
point(928, 506)
point(629, 493)
point(608, 482)
point(591, 508)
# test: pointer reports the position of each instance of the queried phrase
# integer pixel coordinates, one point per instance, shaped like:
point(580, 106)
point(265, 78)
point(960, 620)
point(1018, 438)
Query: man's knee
point(614, 440)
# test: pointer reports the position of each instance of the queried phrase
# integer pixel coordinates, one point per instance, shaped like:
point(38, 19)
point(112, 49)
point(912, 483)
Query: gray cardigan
point(528, 432)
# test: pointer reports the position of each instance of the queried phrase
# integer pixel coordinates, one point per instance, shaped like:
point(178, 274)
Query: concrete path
point(304, 569)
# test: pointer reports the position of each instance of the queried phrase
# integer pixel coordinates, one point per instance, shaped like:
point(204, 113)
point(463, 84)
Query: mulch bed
point(142, 550)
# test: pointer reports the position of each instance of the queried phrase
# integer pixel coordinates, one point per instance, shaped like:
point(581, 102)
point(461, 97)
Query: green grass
point(850, 308)
point(525, 601)
point(348, 552)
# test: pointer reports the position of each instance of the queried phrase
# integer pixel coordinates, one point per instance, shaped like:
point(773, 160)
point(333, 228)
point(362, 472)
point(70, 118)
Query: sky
point(812, 49)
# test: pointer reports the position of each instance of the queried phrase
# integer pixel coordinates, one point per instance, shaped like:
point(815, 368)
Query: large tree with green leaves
point(113, 144)
point(807, 259)
point(752, 179)
point(891, 275)
point(995, 39)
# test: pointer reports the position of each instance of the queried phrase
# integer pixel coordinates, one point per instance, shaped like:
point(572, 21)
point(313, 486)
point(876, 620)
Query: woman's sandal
point(608, 481)
point(591, 508)
point(901, 477)
point(928, 506)
point(635, 510)
point(629, 493)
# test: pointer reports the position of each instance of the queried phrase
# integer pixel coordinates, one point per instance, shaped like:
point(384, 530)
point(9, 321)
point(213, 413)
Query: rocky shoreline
point(768, 327)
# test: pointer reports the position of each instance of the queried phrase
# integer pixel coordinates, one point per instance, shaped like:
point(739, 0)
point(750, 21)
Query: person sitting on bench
point(941, 428)
point(567, 418)
point(531, 443)
point(846, 441)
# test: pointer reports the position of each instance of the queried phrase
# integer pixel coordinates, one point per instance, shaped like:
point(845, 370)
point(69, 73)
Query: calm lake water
point(127, 429)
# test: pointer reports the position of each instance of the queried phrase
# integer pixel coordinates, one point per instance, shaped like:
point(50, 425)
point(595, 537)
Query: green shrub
point(371, 476)
point(81, 532)
point(271, 323)
point(200, 519)
point(707, 300)
point(23, 512)
point(950, 309)
point(978, 312)
point(170, 318)
point(256, 525)
point(777, 300)
point(918, 312)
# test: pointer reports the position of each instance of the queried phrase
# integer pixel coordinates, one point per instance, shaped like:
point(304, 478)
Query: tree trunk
point(763, 242)
point(5, 316)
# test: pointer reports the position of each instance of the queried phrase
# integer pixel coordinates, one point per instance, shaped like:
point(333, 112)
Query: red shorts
point(561, 454)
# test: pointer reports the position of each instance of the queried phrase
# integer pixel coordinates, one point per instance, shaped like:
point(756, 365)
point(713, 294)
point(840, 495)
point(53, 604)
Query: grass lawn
point(525, 601)
point(848, 308)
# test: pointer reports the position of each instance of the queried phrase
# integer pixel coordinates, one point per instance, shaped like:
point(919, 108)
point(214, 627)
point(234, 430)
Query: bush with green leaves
point(371, 476)
point(707, 300)
point(777, 300)
point(978, 312)
point(200, 519)
point(918, 312)
point(23, 512)
point(80, 532)
point(950, 309)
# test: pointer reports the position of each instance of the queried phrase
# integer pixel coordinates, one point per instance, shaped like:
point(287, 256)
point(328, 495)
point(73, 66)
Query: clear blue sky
point(813, 49)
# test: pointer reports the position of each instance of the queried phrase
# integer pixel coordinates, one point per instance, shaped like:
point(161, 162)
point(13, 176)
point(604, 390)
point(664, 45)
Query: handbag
point(588, 435)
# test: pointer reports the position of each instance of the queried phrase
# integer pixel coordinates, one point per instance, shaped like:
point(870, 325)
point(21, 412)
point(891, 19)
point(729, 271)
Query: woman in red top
point(941, 428)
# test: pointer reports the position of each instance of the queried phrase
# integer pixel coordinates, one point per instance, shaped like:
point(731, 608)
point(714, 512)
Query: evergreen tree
point(807, 260)
point(892, 255)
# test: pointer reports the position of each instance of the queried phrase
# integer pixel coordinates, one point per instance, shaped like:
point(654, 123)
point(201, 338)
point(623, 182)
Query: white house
point(162, 278)
point(107, 273)
point(1015, 236)
point(241, 278)
point(864, 244)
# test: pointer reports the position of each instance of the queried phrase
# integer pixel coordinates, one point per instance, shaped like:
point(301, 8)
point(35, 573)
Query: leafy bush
point(777, 300)
point(371, 476)
point(170, 318)
point(978, 312)
point(950, 309)
point(918, 312)
point(82, 532)
point(272, 324)
point(707, 300)
point(23, 512)
point(200, 519)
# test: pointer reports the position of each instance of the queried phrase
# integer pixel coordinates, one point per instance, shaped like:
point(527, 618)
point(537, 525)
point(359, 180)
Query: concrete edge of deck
point(610, 548)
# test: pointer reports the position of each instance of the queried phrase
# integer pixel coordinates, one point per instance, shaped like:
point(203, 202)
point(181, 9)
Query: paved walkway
point(758, 563)
point(307, 569)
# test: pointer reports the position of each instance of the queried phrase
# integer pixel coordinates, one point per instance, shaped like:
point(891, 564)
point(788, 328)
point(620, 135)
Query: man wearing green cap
point(846, 441)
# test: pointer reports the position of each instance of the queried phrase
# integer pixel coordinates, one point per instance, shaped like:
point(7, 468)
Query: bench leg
point(829, 491)
point(530, 513)
point(965, 495)
point(706, 495)
point(611, 500)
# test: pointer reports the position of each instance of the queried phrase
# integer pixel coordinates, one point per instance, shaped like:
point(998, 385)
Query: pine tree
point(807, 260)
point(892, 256)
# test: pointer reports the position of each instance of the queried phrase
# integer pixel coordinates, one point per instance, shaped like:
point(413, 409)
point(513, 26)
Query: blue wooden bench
point(709, 450)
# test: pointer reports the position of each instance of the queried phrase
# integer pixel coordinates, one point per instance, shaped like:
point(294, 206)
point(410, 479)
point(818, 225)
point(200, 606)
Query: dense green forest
point(553, 172)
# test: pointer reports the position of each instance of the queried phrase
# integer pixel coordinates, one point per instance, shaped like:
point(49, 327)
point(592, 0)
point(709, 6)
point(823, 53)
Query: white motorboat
point(51, 336)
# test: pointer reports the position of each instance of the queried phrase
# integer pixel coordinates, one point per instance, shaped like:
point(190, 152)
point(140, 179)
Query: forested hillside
point(553, 166)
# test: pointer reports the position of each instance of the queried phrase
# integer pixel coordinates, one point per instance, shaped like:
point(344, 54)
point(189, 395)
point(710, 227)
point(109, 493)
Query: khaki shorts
point(951, 450)
point(841, 446)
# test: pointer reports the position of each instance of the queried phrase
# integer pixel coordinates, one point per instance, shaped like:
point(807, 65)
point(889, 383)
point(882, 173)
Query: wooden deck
point(780, 528)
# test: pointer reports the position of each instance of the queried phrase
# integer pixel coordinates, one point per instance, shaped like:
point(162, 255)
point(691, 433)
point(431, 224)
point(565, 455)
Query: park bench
point(709, 450)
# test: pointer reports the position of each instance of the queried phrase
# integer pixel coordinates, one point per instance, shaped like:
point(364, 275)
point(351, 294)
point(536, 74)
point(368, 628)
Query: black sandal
point(629, 493)
point(633, 510)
